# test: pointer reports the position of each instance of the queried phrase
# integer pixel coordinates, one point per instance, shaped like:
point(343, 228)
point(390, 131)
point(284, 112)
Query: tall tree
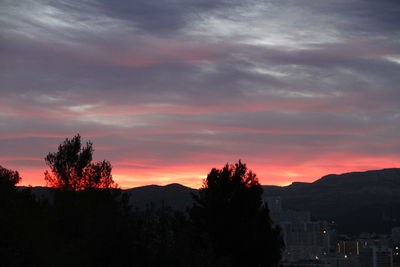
point(72, 168)
point(233, 220)
point(8, 178)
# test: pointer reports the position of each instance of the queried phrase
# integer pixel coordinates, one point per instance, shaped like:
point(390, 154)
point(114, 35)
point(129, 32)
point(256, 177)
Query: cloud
point(174, 88)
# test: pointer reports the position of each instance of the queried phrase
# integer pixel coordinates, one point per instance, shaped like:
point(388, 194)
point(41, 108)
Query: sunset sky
point(166, 90)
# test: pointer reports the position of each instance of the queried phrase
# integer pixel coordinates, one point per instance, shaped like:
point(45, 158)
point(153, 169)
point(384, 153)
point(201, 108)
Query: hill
point(175, 196)
point(357, 201)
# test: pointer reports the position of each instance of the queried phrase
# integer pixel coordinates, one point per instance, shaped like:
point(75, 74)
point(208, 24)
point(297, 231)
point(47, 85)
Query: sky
point(167, 90)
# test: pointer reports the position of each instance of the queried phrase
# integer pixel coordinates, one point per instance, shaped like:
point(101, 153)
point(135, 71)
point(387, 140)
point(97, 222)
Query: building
point(375, 256)
point(304, 239)
point(349, 247)
point(395, 236)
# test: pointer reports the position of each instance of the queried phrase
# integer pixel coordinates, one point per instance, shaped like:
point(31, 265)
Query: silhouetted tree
point(72, 168)
point(88, 213)
point(8, 178)
point(8, 191)
point(233, 222)
point(20, 215)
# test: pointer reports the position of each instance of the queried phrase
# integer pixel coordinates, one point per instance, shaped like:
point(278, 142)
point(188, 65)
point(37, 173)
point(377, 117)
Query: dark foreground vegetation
point(89, 222)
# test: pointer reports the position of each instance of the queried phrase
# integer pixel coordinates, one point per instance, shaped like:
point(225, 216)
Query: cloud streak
point(166, 91)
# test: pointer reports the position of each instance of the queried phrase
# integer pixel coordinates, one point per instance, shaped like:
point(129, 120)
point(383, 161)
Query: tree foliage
point(228, 226)
point(234, 221)
point(72, 168)
point(8, 178)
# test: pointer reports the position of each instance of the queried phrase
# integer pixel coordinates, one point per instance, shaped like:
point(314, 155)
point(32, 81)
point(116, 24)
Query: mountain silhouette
point(176, 196)
point(357, 201)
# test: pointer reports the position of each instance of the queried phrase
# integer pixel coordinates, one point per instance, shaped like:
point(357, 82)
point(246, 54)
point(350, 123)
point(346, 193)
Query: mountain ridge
point(359, 201)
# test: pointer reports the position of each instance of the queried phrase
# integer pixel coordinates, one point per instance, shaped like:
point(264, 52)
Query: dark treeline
point(88, 220)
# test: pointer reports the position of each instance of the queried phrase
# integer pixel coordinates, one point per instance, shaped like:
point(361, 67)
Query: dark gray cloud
point(161, 17)
point(367, 16)
point(293, 84)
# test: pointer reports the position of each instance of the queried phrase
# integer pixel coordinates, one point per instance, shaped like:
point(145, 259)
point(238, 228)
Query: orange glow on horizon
point(193, 175)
